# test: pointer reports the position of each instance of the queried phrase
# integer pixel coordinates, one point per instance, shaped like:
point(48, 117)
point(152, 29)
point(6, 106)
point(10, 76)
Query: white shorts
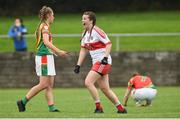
point(143, 94)
point(45, 65)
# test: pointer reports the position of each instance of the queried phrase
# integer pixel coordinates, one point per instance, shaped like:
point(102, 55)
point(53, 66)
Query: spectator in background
point(141, 89)
point(17, 32)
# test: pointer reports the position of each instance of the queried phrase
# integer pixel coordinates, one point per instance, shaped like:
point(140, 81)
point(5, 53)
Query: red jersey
point(139, 81)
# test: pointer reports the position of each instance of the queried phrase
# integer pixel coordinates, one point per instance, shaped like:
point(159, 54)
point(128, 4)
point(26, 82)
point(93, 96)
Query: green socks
point(51, 107)
point(24, 100)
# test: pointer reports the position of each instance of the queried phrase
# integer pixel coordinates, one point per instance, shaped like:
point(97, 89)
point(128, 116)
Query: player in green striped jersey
point(44, 59)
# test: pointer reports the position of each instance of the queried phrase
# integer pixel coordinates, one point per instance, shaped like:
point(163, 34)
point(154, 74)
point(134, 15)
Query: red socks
point(120, 107)
point(98, 105)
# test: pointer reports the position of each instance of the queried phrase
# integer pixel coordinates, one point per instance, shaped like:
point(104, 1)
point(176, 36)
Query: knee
point(49, 88)
point(87, 84)
point(44, 85)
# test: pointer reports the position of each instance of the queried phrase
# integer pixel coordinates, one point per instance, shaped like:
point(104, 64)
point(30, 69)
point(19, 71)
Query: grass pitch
point(77, 103)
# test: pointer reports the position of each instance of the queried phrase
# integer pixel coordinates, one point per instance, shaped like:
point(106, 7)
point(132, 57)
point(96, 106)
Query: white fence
point(116, 35)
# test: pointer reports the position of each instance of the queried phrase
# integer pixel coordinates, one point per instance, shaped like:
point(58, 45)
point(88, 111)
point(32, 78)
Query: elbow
point(10, 34)
point(46, 43)
point(109, 44)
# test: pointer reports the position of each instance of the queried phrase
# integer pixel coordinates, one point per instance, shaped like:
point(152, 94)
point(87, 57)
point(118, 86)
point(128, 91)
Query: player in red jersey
point(96, 42)
point(141, 88)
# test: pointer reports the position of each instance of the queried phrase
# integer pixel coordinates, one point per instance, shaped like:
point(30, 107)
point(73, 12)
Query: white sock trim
point(118, 103)
point(97, 101)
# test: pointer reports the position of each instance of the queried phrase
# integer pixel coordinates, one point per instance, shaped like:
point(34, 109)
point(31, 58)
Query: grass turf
point(77, 103)
point(143, 22)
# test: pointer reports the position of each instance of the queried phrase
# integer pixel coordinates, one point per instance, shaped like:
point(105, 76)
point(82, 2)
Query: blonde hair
point(43, 15)
point(44, 12)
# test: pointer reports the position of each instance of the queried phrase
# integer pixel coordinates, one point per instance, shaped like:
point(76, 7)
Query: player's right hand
point(62, 53)
point(77, 69)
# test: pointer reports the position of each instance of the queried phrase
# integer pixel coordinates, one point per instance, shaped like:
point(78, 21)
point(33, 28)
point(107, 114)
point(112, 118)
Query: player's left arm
point(104, 39)
point(108, 49)
point(126, 96)
point(128, 91)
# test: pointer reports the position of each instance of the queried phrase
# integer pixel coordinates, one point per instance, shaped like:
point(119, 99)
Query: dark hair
point(92, 17)
point(135, 74)
point(21, 20)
